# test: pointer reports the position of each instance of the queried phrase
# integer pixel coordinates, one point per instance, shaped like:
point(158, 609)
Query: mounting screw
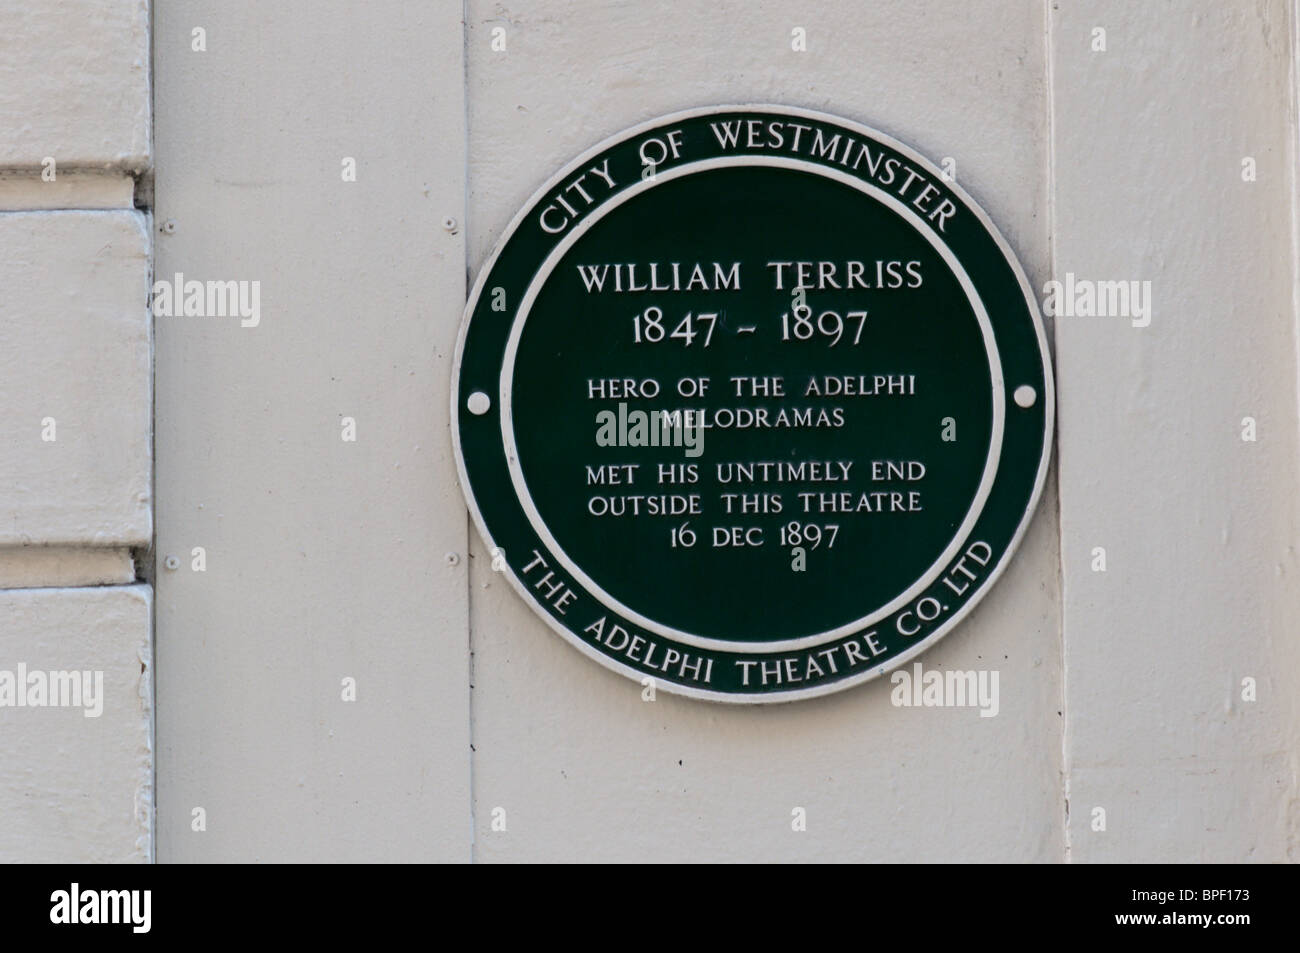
point(169, 227)
point(172, 563)
point(452, 559)
point(449, 224)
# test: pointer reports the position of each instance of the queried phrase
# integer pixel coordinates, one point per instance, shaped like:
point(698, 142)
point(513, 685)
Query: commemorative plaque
point(751, 401)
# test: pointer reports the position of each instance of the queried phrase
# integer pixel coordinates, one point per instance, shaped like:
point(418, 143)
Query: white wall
point(583, 767)
point(325, 560)
point(1199, 526)
point(328, 559)
point(75, 454)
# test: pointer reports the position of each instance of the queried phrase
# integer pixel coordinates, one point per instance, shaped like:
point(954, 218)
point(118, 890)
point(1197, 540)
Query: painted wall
point(581, 765)
point(76, 520)
point(339, 673)
point(1155, 143)
point(324, 559)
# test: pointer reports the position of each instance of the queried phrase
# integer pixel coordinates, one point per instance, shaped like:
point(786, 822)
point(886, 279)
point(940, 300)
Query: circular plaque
point(753, 402)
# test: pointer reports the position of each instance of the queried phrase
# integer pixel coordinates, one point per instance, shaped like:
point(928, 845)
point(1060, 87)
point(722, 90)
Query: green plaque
point(751, 401)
